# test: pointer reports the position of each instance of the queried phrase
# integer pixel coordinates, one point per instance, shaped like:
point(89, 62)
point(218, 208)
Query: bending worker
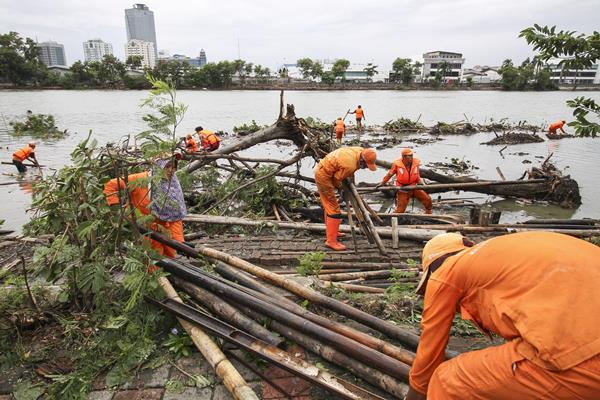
point(191, 146)
point(360, 115)
point(209, 140)
point(165, 201)
point(537, 290)
point(329, 174)
point(407, 172)
point(556, 126)
point(24, 153)
point(340, 129)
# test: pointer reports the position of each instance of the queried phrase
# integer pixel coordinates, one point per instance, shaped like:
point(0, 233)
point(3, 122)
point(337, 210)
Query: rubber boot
point(340, 234)
point(332, 229)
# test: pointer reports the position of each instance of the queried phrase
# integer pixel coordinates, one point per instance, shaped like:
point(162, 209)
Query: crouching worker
point(538, 290)
point(209, 140)
point(329, 174)
point(24, 153)
point(407, 172)
point(162, 198)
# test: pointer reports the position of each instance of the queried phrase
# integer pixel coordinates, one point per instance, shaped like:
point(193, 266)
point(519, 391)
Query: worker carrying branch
point(407, 173)
point(537, 290)
point(556, 126)
point(24, 153)
point(329, 174)
point(208, 139)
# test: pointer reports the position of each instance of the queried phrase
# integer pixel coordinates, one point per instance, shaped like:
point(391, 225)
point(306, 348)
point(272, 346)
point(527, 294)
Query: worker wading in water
point(208, 139)
point(24, 153)
point(161, 197)
point(329, 174)
point(340, 129)
point(360, 115)
point(537, 290)
point(556, 126)
point(407, 172)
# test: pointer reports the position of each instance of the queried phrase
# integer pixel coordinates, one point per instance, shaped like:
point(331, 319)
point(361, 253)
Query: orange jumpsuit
point(556, 126)
point(210, 141)
point(340, 128)
point(539, 291)
point(23, 153)
point(405, 176)
point(140, 197)
point(331, 171)
point(191, 146)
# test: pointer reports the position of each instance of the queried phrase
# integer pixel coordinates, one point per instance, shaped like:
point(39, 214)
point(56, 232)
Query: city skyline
point(268, 35)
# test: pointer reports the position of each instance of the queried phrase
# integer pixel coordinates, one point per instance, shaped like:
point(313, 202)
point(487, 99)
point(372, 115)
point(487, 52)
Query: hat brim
point(372, 166)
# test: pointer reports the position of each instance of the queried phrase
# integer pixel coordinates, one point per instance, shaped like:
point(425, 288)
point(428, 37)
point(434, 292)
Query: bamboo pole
point(355, 275)
point(233, 381)
point(367, 218)
point(394, 232)
point(449, 186)
point(353, 288)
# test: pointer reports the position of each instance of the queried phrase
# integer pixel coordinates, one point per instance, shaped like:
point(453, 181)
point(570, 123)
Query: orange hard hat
point(437, 247)
point(369, 155)
point(407, 152)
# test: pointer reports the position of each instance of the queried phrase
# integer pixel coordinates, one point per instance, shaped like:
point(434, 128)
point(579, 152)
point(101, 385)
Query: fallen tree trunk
point(404, 233)
point(444, 187)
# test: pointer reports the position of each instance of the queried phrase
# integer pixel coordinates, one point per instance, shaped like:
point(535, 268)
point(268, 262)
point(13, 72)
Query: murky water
point(113, 114)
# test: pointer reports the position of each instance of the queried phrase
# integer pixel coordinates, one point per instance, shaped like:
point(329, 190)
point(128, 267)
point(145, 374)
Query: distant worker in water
point(556, 126)
point(360, 115)
point(208, 139)
point(25, 153)
point(340, 129)
point(329, 175)
point(407, 172)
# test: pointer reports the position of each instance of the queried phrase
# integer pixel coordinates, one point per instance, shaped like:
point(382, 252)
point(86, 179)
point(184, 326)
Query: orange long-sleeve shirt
point(338, 165)
point(538, 288)
point(140, 195)
point(404, 176)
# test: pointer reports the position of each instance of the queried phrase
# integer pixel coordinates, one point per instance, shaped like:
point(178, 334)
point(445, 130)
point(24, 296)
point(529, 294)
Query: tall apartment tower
point(202, 58)
point(96, 49)
point(52, 53)
point(143, 49)
point(139, 22)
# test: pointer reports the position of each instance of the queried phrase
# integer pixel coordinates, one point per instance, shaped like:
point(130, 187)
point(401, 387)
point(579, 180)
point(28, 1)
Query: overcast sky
point(271, 32)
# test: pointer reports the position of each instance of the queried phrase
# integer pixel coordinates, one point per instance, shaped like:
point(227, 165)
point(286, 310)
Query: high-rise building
point(202, 58)
point(143, 49)
point(52, 53)
point(96, 49)
point(139, 22)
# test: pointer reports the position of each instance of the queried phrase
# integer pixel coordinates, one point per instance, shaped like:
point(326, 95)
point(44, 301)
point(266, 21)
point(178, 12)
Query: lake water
point(113, 114)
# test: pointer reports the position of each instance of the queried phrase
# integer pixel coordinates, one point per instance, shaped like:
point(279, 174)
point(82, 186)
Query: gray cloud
point(486, 32)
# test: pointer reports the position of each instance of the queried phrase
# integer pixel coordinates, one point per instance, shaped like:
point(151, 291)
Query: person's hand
point(378, 185)
point(414, 395)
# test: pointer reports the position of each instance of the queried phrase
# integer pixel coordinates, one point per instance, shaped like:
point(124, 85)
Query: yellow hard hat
point(437, 247)
point(407, 152)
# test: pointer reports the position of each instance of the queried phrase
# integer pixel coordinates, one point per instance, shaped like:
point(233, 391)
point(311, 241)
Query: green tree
point(111, 71)
point(316, 71)
point(134, 63)
point(19, 61)
point(306, 66)
point(443, 70)
point(403, 70)
point(328, 78)
point(171, 70)
point(371, 70)
point(339, 68)
point(577, 51)
point(262, 73)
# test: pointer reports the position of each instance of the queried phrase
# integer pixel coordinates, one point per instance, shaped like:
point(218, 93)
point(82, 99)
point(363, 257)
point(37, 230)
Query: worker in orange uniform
point(556, 126)
point(360, 115)
point(407, 172)
point(209, 140)
point(340, 129)
point(537, 290)
point(329, 174)
point(24, 153)
point(191, 146)
point(165, 201)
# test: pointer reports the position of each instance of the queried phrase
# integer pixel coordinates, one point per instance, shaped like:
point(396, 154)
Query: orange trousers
point(500, 373)
point(404, 197)
point(174, 230)
point(327, 193)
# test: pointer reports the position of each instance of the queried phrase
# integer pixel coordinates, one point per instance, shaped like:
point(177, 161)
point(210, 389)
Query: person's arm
point(439, 308)
point(421, 181)
point(562, 130)
point(389, 175)
point(352, 112)
point(34, 160)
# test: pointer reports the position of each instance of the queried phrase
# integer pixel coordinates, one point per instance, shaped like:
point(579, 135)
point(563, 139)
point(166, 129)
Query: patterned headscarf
point(167, 197)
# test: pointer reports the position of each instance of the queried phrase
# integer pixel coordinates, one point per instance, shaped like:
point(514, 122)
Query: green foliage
point(371, 70)
point(595, 240)
point(180, 344)
point(19, 62)
point(404, 70)
point(248, 128)
point(311, 263)
point(339, 69)
point(317, 123)
point(39, 126)
point(529, 75)
point(582, 107)
point(403, 124)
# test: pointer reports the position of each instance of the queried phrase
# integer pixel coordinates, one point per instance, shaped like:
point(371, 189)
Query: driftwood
point(444, 187)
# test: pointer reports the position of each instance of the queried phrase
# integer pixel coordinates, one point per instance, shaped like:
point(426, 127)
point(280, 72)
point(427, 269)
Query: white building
point(141, 48)
point(432, 60)
point(96, 49)
point(354, 73)
point(481, 74)
point(561, 75)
